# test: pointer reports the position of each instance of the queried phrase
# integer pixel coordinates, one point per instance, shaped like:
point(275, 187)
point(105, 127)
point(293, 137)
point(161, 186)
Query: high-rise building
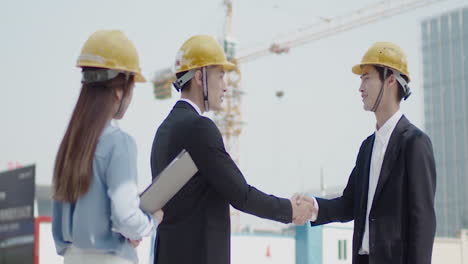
point(445, 82)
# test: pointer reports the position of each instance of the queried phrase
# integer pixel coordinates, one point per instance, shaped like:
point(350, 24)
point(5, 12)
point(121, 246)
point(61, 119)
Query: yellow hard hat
point(111, 49)
point(384, 54)
point(200, 51)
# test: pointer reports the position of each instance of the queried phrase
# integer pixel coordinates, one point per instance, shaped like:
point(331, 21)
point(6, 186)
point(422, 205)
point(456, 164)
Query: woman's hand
point(135, 243)
point(159, 215)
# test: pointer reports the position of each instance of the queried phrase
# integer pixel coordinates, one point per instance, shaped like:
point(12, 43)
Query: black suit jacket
point(196, 225)
point(402, 219)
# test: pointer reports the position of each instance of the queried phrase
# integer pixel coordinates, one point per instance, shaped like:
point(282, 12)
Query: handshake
point(304, 208)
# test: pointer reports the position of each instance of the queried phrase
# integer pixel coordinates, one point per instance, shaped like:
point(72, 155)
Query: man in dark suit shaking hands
point(390, 192)
point(196, 225)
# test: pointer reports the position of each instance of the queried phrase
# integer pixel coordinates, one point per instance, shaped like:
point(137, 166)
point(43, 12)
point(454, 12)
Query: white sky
point(318, 123)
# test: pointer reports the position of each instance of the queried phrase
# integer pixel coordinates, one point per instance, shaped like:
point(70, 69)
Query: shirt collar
point(192, 104)
point(383, 134)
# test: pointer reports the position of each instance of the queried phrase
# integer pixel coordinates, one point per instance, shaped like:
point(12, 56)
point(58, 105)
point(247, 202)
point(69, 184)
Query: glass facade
point(445, 83)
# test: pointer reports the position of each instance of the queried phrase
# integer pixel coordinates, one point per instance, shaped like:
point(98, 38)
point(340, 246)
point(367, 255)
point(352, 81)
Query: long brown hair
point(73, 164)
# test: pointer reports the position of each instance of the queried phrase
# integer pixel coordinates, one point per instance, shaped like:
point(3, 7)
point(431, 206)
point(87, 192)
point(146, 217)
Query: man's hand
point(304, 208)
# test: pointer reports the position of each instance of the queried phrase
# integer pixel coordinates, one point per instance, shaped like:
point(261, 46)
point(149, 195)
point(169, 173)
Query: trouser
point(74, 255)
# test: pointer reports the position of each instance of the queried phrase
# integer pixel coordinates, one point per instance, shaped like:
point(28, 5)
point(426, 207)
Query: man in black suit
point(390, 192)
point(196, 224)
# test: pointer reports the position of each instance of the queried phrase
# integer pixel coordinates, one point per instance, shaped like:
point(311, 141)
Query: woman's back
point(96, 214)
point(108, 213)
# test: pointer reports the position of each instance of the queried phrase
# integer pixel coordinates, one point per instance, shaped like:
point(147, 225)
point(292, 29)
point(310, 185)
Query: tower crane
point(229, 121)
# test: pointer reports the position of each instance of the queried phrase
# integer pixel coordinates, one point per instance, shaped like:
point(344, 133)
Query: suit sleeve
point(339, 209)
point(421, 192)
point(207, 150)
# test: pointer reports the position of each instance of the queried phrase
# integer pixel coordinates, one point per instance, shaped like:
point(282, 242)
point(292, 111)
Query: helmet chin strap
point(379, 97)
point(205, 89)
point(127, 77)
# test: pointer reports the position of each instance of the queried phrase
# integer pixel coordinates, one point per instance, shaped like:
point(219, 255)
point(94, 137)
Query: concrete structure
point(327, 244)
point(451, 250)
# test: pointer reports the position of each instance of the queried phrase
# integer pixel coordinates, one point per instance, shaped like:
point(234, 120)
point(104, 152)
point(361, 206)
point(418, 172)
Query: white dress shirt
point(382, 136)
point(192, 104)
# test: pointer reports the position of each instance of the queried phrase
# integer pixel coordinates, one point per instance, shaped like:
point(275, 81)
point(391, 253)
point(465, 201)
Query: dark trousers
point(362, 259)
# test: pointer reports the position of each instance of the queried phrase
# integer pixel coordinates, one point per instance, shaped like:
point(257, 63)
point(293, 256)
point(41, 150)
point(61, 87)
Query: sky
point(317, 126)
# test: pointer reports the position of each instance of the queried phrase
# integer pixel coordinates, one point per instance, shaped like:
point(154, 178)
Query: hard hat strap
point(403, 83)
point(179, 83)
point(127, 78)
point(98, 75)
point(205, 89)
point(379, 97)
point(120, 107)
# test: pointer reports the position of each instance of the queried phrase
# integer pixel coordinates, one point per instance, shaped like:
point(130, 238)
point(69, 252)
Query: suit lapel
point(391, 155)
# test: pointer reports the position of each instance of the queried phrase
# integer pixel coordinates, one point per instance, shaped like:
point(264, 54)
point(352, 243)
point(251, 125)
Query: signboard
point(17, 192)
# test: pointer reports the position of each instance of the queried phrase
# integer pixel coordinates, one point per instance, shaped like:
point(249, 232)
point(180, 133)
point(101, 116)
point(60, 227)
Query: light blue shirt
point(108, 214)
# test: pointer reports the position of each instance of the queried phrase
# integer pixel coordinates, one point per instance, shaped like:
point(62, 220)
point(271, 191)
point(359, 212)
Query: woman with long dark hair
point(96, 215)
